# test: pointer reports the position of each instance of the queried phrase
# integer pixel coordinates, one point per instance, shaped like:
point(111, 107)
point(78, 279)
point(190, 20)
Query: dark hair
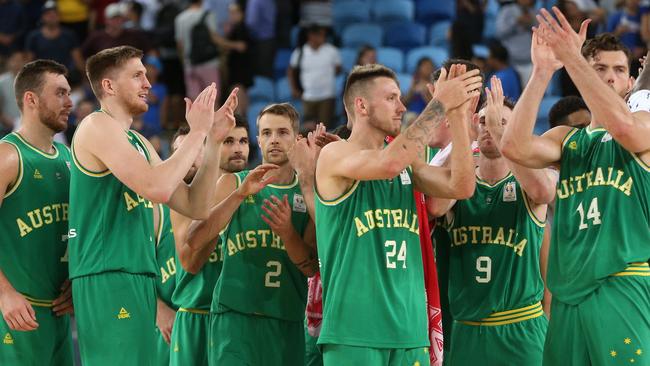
point(182, 131)
point(498, 52)
point(31, 77)
point(241, 121)
point(605, 42)
point(359, 78)
point(281, 109)
point(423, 60)
point(469, 66)
point(137, 8)
point(559, 113)
point(507, 102)
point(362, 51)
point(105, 62)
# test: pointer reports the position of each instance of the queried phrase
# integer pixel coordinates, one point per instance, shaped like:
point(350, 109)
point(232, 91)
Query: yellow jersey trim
point(568, 136)
point(342, 198)
point(85, 171)
point(161, 221)
point(638, 160)
point(484, 183)
point(139, 138)
point(293, 183)
point(39, 302)
point(597, 129)
point(194, 311)
point(509, 316)
point(635, 269)
point(37, 150)
point(20, 170)
point(531, 213)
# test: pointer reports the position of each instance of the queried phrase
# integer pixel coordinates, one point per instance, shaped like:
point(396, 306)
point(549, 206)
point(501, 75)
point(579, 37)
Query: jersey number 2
point(271, 279)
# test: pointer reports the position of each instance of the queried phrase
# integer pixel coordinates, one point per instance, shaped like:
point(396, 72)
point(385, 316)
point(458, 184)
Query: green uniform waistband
point(39, 302)
point(509, 316)
point(194, 311)
point(635, 269)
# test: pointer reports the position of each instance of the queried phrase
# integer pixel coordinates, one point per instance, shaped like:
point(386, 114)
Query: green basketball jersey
point(195, 291)
point(371, 266)
point(165, 256)
point(257, 276)
point(494, 255)
point(34, 221)
point(601, 215)
point(111, 226)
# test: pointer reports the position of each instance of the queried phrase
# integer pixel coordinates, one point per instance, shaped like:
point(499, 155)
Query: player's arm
point(344, 161)
point(191, 260)
point(300, 249)
point(16, 310)
point(543, 265)
point(643, 80)
point(457, 180)
point(201, 233)
point(103, 142)
point(165, 317)
point(631, 130)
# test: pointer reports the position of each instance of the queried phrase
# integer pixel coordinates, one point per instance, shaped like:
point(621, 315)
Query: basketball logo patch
point(509, 192)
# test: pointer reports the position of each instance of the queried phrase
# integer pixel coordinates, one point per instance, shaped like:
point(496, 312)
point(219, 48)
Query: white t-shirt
point(184, 23)
point(317, 71)
point(441, 156)
point(639, 101)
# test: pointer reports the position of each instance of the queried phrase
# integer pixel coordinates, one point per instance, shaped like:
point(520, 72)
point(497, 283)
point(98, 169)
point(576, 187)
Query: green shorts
point(515, 338)
point(251, 340)
point(116, 318)
point(611, 327)
point(49, 345)
point(162, 349)
point(341, 355)
point(190, 338)
point(313, 357)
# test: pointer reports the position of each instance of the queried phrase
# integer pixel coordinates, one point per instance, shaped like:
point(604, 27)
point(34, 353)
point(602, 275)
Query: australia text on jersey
point(595, 178)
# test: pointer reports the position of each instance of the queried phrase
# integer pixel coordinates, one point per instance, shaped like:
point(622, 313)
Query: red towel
point(314, 305)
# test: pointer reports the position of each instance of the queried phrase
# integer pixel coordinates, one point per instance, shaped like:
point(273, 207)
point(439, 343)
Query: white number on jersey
point(593, 214)
point(271, 279)
point(390, 254)
point(484, 266)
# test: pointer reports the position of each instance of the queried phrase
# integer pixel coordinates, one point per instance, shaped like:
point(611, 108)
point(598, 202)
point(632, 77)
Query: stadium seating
point(349, 12)
point(391, 57)
point(348, 58)
point(262, 90)
point(435, 10)
point(281, 63)
point(436, 54)
point(357, 35)
point(385, 11)
point(405, 81)
point(404, 35)
point(438, 34)
point(480, 50)
point(542, 124)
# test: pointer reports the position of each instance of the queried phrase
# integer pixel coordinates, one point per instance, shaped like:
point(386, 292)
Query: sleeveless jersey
point(165, 256)
point(371, 266)
point(111, 226)
point(602, 214)
point(257, 276)
point(494, 255)
point(34, 222)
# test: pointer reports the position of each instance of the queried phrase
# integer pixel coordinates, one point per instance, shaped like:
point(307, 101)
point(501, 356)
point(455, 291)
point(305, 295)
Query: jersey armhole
point(341, 198)
point(161, 222)
point(568, 136)
point(19, 178)
point(531, 213)
point(85, 171)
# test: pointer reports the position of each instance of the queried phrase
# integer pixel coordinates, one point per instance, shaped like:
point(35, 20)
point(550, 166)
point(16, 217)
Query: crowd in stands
point(289, 50)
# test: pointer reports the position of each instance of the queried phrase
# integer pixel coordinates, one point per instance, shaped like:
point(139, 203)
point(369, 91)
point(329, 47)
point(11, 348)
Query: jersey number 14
point(593, 214)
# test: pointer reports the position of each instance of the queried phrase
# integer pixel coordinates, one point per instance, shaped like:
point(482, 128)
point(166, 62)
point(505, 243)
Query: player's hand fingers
point(188, 106)
point(442, 77)
point(10, 321)
point(65, 308)
point(26, 322)
point(550, 20)
point(560, 17)
point(584, 26)
point(167, 335)
point(470, 74)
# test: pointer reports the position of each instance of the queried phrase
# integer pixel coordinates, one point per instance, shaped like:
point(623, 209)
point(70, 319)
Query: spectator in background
point(75, 15)
point(157, 102)
point(569, 111)
point(9, 112)
point(418, 95)
point(260, 20)
point(240, 74)
point(133, 14)
point(367, 55)
point(98, 9)
point(626, 25)
point(514, 23)
point(497, 64)
point(147, 12)
point(51, 41)
point(12, 25)
point(83, 108)
point(467, 29)
point(221, 10)
point(312, 76)
point(115, 34)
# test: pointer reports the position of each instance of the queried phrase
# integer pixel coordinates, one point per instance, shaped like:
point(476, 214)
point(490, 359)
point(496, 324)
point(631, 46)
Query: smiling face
point(276, 137)
point(131, 86)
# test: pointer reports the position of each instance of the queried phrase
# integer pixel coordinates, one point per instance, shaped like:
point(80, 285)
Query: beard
point(386, 127)
point(134, 106)
point(233, 165)
point(279, 159)
point(51, 119)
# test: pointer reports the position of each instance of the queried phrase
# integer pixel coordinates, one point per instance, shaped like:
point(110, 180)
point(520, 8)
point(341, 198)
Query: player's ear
point(360, 105)
point(107, 86)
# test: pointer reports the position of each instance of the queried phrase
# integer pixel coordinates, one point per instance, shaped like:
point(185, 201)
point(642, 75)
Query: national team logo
point(509, 192)
point(299, 204)
point(573, 145)
point(606, 137)
point(404, 177)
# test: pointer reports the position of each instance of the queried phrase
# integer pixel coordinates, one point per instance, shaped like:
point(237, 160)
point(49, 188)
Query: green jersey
point(195, 291)
point(111, 226)
point(371, 266)
point(34, 221)
point(257, 276)
point(495, 252)
point(165, 256)
point(601, 215)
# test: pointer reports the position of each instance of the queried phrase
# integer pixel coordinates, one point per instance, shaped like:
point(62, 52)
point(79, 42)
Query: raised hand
point(455, 88)
point(558, 34)
point(541, 54)
point(17, 311)
point(200, 113)
point(302, 156)
point(255, 181)
point(224, 118)
point(278, 215)
point(63, 304)
point(494, 108)
point(320, 137)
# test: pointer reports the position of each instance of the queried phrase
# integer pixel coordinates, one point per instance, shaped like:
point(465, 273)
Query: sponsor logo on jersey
point(8, 339)
point(509, 192)
point(37, 174)
point(250, 200)
point(606, 137)
point(299, 203)
point(573, 145)
point(404, 177)
point(123, 314)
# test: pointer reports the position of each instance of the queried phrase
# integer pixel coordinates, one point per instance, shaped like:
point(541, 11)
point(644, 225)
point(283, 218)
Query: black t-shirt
point(58, 49)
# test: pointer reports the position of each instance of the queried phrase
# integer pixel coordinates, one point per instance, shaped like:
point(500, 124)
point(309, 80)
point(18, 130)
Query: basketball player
point(597, 267)
point(495, 282)
point(114, 179)
point(374, 306)
point(35, 294)
point(198, 270)
point(258, 306)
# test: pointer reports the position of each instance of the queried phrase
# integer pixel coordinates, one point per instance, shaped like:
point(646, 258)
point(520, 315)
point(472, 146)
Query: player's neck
point(363, 134)
point(117, 112)
point(492, 170)
point(594, 124)
point(285, 174)
point(37, 134)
